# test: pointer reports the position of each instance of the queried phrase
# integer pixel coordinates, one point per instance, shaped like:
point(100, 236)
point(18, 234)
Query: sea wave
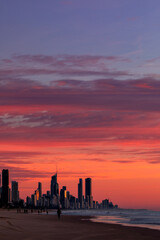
point(127, 217)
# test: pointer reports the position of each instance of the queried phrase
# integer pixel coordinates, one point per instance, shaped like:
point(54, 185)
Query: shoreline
point(111, 219)
point(96, 219)
point(18, 226)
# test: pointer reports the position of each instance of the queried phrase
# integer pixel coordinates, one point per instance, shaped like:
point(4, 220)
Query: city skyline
point(80, 88)
point(53, 198)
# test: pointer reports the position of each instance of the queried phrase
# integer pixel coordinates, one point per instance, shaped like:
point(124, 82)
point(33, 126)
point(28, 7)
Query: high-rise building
point(0, 193)
point(40, 189)
point(0, 187)
point(68, 199)
point(34, 200)
point(63, 197)
point(88, 192)
point(54, 186)
point(28, 201)
point(10, 195)
point(37, 194)
point(80, 192)
point(105, 203)
point(15, 192)
point(72, 202)
point(48, 194)
point(5, 187)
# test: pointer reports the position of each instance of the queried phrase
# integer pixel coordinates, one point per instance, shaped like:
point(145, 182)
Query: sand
point(22, 226)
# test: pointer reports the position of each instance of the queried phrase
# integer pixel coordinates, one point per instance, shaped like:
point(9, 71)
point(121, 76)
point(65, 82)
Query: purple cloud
point(130, 95)
point(18, 157)
point(19, 173)
point(76, 111)
point(62, 66)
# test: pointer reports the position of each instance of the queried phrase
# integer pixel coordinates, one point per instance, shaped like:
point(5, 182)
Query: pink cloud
point(21, 66)
point(76, 112)
point(153, 60)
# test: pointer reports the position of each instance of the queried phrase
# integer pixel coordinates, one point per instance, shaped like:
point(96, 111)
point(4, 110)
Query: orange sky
point(121, 171)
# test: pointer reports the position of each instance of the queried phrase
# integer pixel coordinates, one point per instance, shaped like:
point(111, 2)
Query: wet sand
point(20, 226)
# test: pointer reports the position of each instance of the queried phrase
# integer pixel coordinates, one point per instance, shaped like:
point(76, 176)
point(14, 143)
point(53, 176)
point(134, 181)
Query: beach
point(34, 226)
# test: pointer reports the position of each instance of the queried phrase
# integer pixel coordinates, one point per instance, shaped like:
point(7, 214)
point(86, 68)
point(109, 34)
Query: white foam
point(127, 217)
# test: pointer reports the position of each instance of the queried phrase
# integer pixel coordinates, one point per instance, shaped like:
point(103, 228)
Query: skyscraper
point(54, 186)
point(37, 194)
point(0, 188)
point(80, 192)
point(5, 187)
point(15, 192)
point(63, 197)
point(40, 189)
point(88, 192)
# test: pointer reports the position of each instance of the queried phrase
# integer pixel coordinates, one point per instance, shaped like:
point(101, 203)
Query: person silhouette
point(59, 213)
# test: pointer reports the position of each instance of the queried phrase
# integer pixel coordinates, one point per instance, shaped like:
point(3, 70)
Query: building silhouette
point(63, 197)
point(34, 200)
point(0, 190)
point(40, 189)
point(5, 187)
point(37, 195)
point(80, 192)
point(50, 199)
point(54, 186)
point(15, 192)
point(88, 193)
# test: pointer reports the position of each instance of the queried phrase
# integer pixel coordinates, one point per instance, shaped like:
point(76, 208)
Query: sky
point(80, 90)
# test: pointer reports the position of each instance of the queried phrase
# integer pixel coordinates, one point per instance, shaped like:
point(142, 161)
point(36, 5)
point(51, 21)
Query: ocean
point(126, 217)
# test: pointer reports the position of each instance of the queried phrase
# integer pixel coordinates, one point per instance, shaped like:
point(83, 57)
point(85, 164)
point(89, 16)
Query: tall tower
point(80, 192)
point(15, 192)
point(40, 189)
point(63, 197)
point(0, 188)
point(88, 192)
point(54, 186)
point(5, 187)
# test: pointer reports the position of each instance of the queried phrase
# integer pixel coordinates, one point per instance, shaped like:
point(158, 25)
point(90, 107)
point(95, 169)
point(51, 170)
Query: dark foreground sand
point(33, 226)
